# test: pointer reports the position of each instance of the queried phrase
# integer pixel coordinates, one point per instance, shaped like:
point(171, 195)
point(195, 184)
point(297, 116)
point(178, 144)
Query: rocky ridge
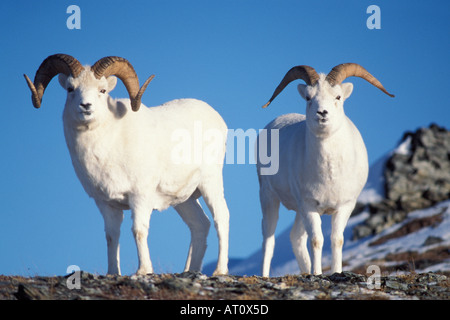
point(197, 286)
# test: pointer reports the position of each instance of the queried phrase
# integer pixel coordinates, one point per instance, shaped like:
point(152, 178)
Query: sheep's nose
point(322, 113)
point(86, 106)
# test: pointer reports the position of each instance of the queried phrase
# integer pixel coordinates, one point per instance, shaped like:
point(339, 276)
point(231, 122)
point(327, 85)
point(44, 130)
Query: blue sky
point(231, 54)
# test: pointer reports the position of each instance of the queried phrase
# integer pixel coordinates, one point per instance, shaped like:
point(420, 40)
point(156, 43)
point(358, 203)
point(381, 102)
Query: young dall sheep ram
point(125, 160)
point(322, 165)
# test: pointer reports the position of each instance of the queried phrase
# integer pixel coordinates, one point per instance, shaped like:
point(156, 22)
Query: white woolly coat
point(324, 174)
point(132, 153)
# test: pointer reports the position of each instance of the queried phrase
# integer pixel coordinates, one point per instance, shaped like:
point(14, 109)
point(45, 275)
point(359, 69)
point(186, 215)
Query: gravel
point(197, 286)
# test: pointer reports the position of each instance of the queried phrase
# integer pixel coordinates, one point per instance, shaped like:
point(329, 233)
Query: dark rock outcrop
point(415, 178)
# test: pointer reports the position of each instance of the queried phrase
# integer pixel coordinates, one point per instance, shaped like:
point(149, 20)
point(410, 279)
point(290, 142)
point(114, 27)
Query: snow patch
point(405, 147)
point(359, 252)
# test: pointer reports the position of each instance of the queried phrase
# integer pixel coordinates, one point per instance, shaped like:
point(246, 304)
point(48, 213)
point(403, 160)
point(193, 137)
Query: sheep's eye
point(338, 98)
point(103, 90)
point(70, 89)
point(308, 98)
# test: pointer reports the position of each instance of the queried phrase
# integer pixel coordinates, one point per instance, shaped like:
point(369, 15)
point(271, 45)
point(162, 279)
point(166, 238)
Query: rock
point(415, 178)
point(410, 176)
point(223, 279)
point(376, 219)
point(347, 276)
point(396, 285)
point(431, 278)
point(361, 231)
point(26, 292)
point(432, 240)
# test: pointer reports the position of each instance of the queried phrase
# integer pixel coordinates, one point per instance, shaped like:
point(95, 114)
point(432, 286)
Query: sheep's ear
point(62, 78)
point(302, 90)
point(347, 89)
point(112, 81)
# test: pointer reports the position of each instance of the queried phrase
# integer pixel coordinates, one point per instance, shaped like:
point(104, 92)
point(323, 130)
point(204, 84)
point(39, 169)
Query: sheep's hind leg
point(270, 207)
point(193, 215)
point(212, 193)
point(113, 219)
point(299, 239)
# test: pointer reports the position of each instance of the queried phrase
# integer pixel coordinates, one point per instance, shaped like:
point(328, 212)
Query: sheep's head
point(324, 105)
point(87, 87)
point(325, 95)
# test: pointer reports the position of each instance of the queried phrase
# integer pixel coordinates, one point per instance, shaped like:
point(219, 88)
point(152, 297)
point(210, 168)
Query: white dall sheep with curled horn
point(126, 160)
point(323, 165)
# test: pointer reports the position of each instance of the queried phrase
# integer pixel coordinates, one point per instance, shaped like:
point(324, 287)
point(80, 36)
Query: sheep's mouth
point(86, 113)
point(323, 120)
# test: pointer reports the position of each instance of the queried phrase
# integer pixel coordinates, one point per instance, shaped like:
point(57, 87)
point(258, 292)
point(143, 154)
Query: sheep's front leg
point(113, 219)
point(313, 225)
point(141, 223)
point(338, 224)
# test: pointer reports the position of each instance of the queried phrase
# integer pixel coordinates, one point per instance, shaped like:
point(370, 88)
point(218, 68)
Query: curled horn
point(121, 68)
point(50, 67)
point(345, 70)
point(306, 73)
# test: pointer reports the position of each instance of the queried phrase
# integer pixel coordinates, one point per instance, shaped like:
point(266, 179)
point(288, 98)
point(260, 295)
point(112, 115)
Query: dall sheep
point(323, 165)
point(126, 160)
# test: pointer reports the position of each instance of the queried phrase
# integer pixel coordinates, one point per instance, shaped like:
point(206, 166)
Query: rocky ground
point(197, 286)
